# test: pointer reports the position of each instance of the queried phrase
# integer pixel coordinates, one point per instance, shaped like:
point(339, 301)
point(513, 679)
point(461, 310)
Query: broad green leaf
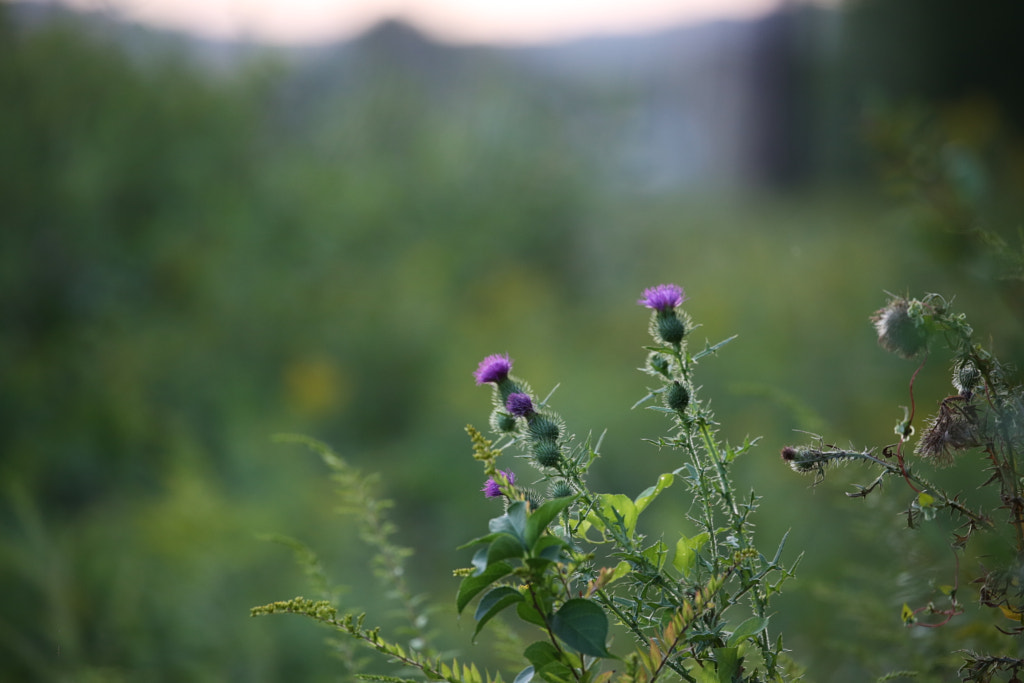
point(616, 508)
point(686, 552)
point(472, 585)
point(621, 569)
point(528, 613)
point(728, 663)
point(512, 522)
point(492, 603)
point(582, 625)
point(547, 664)
point(652, 492)
point(540, 654)
point(550, 547)
point(750, 627)
point(503, 547)
point(584, 527)
point(483, 539)
point(479, 561)
point(539, 519)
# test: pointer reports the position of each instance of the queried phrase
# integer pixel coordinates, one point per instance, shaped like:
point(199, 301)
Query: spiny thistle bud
point(502, 422)
point(560, 489)
point(900, 330)
point(965, 378)
point(547, 453)
point(533, 499)
point(543, 428)
point(677, 397)
point(669, 327)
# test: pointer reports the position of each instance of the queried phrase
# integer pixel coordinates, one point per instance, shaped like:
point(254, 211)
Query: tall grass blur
point(197, 254)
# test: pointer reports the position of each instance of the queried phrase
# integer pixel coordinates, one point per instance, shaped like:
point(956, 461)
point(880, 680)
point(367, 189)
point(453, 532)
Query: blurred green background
point(200, 249)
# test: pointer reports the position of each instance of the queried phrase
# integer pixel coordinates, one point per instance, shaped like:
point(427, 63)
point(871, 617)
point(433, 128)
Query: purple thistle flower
point(663, 297)
point(492, 489)
point(519, 405)
point(494, 368)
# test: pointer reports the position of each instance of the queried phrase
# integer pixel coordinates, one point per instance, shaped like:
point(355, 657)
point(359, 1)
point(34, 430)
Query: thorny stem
point(913, 479)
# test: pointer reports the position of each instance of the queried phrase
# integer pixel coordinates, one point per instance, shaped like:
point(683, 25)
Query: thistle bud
point(677, 396)
point(669, 327)
point(502, 422)
point(547, 453)
point(560, 489)
point(542, 428)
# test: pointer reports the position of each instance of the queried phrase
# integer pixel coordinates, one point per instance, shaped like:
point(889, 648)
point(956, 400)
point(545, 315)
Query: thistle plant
point(573, 561)
point(607, 601)
point(979, 425)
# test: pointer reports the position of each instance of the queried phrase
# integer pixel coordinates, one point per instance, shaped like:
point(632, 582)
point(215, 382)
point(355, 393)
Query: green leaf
point(656, 554)
point(547, 663)
point(492, 603)
point(621, 569)
point(750, 627)
point(652, 492)
point(512, 522)
point(686, 552)
point(728, 663)
point(547, 551)
point(540, 654)
point(528, 613)
point(583, 626)
point(479, 561)
point(539, 519)
point(483, 539)
point(504, 547)
point(472, 585)
point(616, 507)
point(550, 547)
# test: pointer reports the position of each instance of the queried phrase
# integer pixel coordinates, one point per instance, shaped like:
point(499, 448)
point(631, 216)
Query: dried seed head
point(900, 331)
point(951, 430)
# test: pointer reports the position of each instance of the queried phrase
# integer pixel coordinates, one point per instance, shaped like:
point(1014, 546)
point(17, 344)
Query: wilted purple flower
point(519, 405)
point(494, 368)
point(492, 489)
point(663, 297)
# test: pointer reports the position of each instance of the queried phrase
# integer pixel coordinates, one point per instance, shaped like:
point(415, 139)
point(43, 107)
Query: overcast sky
point(502, 21)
